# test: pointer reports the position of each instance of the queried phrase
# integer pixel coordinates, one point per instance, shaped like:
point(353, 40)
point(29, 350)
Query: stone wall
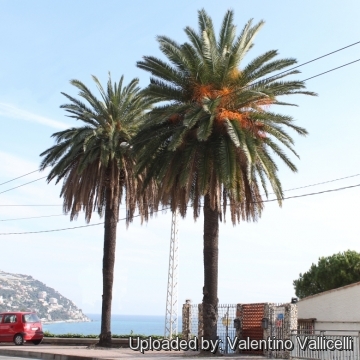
point(186, 320)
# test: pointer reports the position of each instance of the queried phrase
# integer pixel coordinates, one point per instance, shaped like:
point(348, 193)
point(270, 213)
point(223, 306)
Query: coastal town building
point(336, 309)
point(23, 292)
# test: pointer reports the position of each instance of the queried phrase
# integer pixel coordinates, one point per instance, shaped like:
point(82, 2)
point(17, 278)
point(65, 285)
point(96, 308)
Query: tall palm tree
point(97, 167)
point(213, 137)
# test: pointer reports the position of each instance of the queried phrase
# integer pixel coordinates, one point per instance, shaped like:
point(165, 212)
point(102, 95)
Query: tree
point(97, 167)
point(212, 135)
point(331, 272)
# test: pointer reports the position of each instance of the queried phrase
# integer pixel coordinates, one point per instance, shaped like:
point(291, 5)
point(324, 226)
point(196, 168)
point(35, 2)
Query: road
point(14, 358)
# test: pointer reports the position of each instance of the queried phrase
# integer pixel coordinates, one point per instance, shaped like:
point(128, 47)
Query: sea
point(120, 325)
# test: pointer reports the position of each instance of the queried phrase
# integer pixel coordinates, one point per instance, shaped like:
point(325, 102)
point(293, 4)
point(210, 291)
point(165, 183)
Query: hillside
point(23, 293)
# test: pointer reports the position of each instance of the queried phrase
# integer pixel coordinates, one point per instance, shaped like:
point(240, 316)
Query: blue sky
point(45, 44)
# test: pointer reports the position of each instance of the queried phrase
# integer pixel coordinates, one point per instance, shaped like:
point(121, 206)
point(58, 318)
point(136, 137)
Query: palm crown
point(214, 134)
point(96, 156)
point(97, 166)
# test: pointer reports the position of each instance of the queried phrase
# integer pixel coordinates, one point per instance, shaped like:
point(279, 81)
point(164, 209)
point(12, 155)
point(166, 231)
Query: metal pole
point(227, 330)
point(172, 291)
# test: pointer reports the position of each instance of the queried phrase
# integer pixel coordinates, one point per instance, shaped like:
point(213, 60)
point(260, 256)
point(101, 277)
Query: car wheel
point(18, 339)
point(37, 342)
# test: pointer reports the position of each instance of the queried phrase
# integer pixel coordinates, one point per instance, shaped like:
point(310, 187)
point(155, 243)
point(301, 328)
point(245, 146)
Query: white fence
point(325, 345)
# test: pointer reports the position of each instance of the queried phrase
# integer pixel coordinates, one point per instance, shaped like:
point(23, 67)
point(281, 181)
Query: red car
point(20, 327)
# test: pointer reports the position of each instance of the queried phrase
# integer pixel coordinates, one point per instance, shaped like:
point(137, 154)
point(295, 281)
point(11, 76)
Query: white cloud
point(16, 113)
point(12, 166)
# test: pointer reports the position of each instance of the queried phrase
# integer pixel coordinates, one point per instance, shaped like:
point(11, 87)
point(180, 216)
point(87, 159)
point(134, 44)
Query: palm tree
point(213, 136)
point(97, 167)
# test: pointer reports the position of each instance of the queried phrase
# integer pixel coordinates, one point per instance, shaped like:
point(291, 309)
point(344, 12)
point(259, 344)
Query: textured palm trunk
point(211, 254)
point(111, 219)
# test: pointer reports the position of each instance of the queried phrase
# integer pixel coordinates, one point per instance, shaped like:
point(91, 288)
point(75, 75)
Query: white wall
point(337, 309)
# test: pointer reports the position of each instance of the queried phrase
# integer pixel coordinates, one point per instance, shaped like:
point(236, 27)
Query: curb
point(45, 356)
point(116, 342)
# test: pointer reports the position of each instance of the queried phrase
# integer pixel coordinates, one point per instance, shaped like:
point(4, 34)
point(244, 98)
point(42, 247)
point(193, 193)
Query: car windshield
point(30, 318)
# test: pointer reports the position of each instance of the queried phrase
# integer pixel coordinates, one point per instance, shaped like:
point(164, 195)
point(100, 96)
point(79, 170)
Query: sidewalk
point(58, 352)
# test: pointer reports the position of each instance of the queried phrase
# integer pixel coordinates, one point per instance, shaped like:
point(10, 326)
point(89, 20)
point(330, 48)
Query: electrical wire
point(22, 185)
point(257, 202)
point(32, 217)
point(312, 77)
point(297, 188)
point(270, 77)
point(19, 177)
point(311, 194)
point(310, 61)
point(320, 183)
point(71, 228)
point(235, 91)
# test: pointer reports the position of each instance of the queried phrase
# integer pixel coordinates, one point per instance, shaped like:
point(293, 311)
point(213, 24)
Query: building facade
point(337, 309)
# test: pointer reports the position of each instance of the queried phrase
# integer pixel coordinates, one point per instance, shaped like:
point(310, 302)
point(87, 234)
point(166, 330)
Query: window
point(10, 318)
point(30, 318)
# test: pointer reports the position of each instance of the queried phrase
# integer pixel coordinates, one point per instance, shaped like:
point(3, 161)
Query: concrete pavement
point(61, 352)
point(13, 358)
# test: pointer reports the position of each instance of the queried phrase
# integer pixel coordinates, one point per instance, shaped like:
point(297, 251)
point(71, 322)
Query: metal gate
point(250, 317)
point(259, 322)
point(225, 326)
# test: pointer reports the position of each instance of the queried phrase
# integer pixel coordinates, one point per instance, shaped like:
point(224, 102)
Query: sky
point(46, 44)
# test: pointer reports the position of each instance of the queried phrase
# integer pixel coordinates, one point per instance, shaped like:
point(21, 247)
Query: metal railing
point(194, 321)
point(225, 325)
point(325, 345)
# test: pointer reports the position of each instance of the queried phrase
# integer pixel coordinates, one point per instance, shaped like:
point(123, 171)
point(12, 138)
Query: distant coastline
point(120, 324)
point(23, 292)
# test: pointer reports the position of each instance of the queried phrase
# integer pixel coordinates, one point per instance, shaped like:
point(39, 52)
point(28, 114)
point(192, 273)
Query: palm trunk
point(111, 219)
point(211, 254)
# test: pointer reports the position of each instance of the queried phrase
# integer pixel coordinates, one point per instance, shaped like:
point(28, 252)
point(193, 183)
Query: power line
point(283, 72)
point(320, 183)
point(263, 201)
point(352, 62)
point(19, 177)
point(312, 77)
point(53, 230)
point(22, 185)
point(70, 228)
point(32, 217)
point(310, 61)
point(30, 205)
point(310, 194)
point(297, 188)
point(235, 91)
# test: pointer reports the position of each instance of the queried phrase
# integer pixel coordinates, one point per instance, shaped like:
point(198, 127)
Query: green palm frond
point(96, 157)
point(213, 132)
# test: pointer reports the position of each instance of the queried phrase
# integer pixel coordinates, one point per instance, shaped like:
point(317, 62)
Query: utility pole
point(171, 314)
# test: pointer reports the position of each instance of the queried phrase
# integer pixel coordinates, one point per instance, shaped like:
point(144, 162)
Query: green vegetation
point(331, 272)
point(114, 336)
point(96, 166)
point(213, 142)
